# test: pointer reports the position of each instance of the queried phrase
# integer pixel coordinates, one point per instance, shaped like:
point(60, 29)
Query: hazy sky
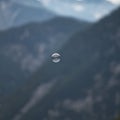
point(90, 10)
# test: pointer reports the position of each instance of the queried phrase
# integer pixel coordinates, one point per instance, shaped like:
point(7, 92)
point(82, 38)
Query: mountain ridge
point(20, 14)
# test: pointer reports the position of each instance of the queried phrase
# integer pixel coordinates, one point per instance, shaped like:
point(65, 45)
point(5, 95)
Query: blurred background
point(84, 84)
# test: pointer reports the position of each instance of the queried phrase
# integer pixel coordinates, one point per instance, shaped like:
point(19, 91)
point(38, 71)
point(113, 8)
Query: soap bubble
point(56, 57)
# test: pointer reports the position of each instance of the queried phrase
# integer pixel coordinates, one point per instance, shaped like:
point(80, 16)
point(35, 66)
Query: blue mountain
point(13, 14)
point(84, 85)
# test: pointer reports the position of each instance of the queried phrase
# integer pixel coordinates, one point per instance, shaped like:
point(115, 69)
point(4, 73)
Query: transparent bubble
point(56, 57)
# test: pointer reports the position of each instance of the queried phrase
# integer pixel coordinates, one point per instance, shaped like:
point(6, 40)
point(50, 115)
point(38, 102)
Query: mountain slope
point(37, 39)
point(24, 49)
